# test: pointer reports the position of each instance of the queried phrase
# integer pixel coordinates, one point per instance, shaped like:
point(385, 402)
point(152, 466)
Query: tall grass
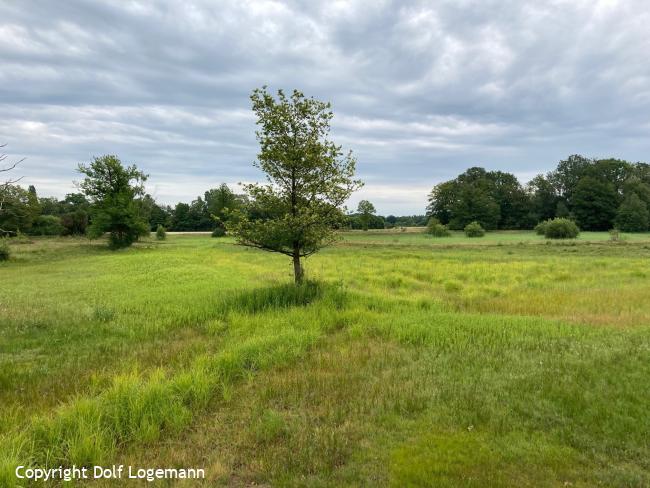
point(526, 364)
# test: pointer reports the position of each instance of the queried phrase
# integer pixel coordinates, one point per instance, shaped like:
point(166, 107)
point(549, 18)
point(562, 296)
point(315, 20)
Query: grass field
point(406, 361)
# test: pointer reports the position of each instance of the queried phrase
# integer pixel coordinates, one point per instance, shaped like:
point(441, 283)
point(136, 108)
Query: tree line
point(598, 194)
point(24, 211)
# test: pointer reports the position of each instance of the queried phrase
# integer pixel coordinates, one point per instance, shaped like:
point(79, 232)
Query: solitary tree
point(309, 179)
point(114, 192)
point(365, 210)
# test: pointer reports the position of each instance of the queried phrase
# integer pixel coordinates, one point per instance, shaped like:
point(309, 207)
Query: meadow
point(405, 360)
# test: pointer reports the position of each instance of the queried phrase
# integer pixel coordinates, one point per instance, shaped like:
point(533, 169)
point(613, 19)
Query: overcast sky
point(420, 90)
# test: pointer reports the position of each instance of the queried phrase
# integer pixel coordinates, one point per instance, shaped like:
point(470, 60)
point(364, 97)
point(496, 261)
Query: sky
point(421, 90)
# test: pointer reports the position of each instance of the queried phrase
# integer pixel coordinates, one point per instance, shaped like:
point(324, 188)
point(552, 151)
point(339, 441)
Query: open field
point(406, 361)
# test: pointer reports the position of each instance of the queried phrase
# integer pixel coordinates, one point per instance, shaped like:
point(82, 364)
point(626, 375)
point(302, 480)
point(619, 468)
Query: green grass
point(406, 360)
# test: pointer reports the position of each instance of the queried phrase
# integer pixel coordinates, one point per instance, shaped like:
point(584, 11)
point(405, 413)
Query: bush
point(560, 228)
point(4, 250)
point(540, 229)
point(614, 235)
point(219, 232)
point(436, 229)
point(161, 233)
point(75, 223)
point(47, 225)
point(474, 229)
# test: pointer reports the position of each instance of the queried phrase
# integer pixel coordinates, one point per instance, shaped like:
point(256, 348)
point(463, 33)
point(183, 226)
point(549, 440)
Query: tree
point(157, 215)
point(514, 202)
point(6, 185)
point(494, 198)
point(19, 209)
point(181, 217)
point(594, 204)
point(309, 179)
point(543, 198)
point(632, 215)
point(75, 210)
point(474, 204)
point(441, 200)
point(568, 173)
point(634, 184)
point(115, 192)
point(365, 210)
point(75, 222)
point(221, 202)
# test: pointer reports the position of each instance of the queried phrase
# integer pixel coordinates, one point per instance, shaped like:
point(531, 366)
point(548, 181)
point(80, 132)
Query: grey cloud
point(421, 90)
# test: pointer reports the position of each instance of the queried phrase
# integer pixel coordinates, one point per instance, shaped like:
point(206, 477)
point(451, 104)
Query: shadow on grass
point(282, 296)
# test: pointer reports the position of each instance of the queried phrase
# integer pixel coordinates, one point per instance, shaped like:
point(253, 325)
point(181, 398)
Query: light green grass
point(415, 236)
point(405, 361)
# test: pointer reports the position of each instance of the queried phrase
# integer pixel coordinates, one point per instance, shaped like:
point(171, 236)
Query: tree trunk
point(297, 266)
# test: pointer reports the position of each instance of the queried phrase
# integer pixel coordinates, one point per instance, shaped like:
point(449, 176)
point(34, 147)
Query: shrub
point(75, 223)
point(560, 228)
point(614, 235)
point(47, 225)
point(161, 233)
point(219, 232)
point(436, 229)
point(540, 229)
point(474, 229)
point(4, 250)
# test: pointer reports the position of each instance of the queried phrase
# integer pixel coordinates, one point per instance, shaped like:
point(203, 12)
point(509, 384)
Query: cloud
point(421, 90)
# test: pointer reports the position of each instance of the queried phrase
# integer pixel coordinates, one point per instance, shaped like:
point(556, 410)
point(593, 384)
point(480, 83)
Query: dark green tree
point(475, 205)
point(459, 201)
point(366, 210)
point(181, 218)
point(200, 216)
point(18, 210)
point(309, 179)
point(8, 194)
point(614, 171)
point(634, 184)
point(543, 198)
point(566, 176)
point(158, 215)
point(441, 200)
point(594, 204)
point(632, 215)
point(514, 203)
point(115, 193)
point(221, 203)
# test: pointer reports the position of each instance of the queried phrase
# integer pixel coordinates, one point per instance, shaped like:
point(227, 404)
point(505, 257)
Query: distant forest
point(598, 194)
